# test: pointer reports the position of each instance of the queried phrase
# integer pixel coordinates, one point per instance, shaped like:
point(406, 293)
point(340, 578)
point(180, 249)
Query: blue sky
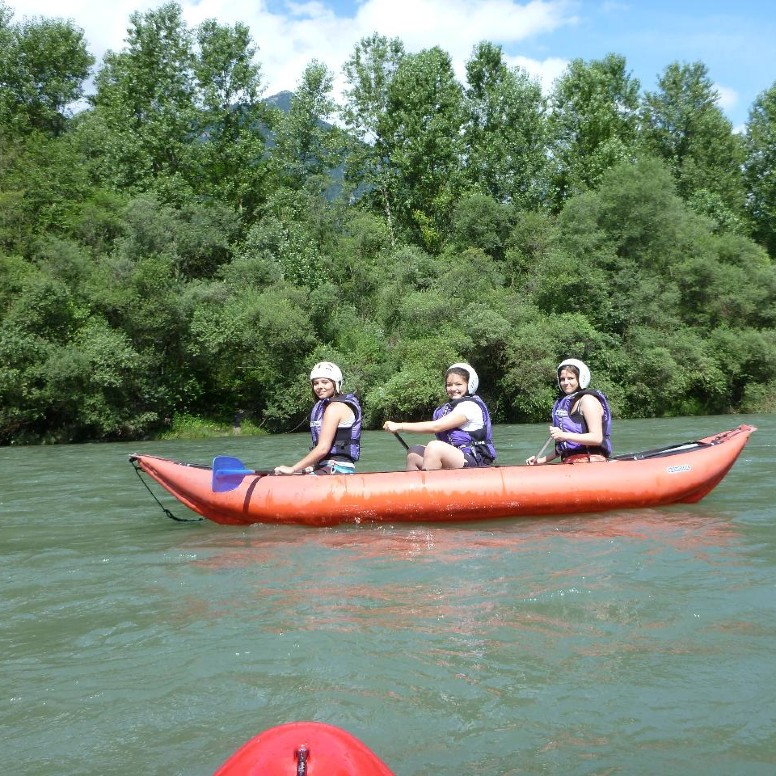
point(733, 38)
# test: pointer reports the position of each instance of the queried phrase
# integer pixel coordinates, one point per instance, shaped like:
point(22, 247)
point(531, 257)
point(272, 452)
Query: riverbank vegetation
point(182, 247)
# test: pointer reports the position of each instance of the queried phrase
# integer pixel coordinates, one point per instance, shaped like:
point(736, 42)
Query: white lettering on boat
point(685, 467)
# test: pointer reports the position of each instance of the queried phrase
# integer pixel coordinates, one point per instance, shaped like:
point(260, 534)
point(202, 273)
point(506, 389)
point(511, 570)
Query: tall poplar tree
point(760, 169)
point(304, 138)
point(422, 126)
point(505, 132)
point(44, 64)
point(146, 98)
point(233, 116)
point(368, 74)
point(593, 123)
point(685, 127)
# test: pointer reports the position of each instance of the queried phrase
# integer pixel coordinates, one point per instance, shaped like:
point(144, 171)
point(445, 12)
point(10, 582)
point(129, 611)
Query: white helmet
point(328, 370)
point(584, 372)
point(474, 381)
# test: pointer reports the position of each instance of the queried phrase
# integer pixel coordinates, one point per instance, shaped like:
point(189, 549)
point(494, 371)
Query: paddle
point(544, 447)
point(228, 473)
point(404, 444)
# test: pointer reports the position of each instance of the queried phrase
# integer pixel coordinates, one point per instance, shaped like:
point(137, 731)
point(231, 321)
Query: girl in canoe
point(335, 426)
point(581, 419)
point(462, 427)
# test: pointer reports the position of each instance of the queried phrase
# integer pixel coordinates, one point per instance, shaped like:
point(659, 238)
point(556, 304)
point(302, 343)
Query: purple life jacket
point(575, 423)
point(347, 441)
point(478, 444)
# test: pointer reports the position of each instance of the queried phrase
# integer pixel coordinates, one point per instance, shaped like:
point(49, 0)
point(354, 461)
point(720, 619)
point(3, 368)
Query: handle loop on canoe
point(301, 760)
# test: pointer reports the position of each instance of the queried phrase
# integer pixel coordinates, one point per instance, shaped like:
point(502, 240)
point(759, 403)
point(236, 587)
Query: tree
point(233, 116)
point(43, 66)
point(617, 249)
point(422, 127)
point(368, 74)
point(593, 123)
point(304, 141)
point(684, 126)
point(69, 376)
point(250, 344)
point(480, 221)
point(146, 97)
point(505, 131)
point(760, 168)
point(42, 182)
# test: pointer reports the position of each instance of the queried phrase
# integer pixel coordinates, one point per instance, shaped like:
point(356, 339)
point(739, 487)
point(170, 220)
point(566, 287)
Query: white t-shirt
point(473, 412)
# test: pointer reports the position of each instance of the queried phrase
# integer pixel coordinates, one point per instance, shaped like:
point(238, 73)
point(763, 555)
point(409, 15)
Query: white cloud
point(728, 98)
point(458, 24)
point(546, 71)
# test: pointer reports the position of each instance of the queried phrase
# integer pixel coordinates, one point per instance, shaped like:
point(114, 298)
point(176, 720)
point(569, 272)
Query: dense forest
point(175, 244)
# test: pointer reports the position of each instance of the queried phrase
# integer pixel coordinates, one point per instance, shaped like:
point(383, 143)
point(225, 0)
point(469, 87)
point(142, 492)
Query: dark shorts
point(473, 461)
point(470, 461)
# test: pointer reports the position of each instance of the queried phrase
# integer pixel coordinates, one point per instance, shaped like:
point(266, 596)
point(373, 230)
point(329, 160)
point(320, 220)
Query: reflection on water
point(634, 642)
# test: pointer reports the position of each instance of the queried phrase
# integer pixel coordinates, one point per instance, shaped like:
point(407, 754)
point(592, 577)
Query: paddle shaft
point(544, 447)
point(403, 443)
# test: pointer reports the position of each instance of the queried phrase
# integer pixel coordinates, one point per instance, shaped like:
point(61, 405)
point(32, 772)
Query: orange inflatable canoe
point(228, 493)
point(304, 749)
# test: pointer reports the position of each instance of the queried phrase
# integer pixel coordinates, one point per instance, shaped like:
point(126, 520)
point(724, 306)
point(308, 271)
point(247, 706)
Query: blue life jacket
point(347, 441)
point(478, 444)
point(575, 423)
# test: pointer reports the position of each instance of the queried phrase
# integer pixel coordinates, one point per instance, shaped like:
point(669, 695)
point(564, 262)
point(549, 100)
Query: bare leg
point(415, 458)
point(440, 455)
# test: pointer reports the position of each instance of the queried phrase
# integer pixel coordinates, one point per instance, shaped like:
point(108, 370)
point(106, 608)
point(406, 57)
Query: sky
point(734, 39)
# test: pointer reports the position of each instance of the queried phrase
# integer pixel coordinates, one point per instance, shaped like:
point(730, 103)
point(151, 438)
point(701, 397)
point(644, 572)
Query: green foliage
point(759, 168)
point(685, 127)
point(42, 184)
point(184, 426)
point(479, 221)
point(43, 66)
point(368, 75)
point(416, 383)
point(747, 358)
point(530, 242)
point(305, 145)
point(505, 131)
point(146, 98)
point(409, 394)
point(195, 237)
point(358, 261)
point(592, 123)
point(182, 250)
point(527, 383)
point(424, 113)
point(759, 398)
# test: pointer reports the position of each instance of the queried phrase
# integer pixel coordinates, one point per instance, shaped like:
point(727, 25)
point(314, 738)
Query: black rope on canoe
point(662, 452)
point(164, 509)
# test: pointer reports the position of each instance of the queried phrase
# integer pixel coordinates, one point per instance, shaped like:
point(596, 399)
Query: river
point(630, 643)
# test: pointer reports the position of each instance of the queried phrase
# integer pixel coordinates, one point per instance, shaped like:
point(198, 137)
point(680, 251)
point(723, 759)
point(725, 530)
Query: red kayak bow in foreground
point(304, 749)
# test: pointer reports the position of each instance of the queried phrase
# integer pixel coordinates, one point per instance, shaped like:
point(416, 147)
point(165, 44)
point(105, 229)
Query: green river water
point(638, 642)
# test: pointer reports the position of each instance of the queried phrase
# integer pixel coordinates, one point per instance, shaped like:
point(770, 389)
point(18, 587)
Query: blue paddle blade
point(228, 473)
